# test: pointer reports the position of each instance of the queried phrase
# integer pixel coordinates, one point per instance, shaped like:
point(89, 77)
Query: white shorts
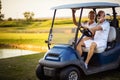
point(100, 43)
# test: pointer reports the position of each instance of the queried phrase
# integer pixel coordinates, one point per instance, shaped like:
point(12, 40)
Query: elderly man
point(100, 37)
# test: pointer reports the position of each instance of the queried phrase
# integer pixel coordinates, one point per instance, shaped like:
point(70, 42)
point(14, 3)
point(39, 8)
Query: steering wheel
point(86, 31)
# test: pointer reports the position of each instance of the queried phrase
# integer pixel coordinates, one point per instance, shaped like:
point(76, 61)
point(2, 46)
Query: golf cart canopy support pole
point(78, 28)
point(50, 33)
point(94, 9)
point(115, 21)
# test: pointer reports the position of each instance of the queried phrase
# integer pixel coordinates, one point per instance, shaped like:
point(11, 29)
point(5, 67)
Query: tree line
point(1, 15)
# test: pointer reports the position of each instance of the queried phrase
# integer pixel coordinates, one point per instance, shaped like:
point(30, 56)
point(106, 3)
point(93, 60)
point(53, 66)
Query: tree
point(10, 19)
point(0, 6)
point(28, 15)
point(1, 15)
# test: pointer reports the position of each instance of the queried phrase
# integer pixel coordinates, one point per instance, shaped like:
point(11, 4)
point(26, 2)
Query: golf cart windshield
point(63, 30)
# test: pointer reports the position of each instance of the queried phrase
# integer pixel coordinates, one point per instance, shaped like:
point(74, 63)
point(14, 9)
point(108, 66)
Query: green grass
point(23, 68)
point(19, 68)
point(32, 26)
point(22, 26)
point(24, 38)
point(29, 33)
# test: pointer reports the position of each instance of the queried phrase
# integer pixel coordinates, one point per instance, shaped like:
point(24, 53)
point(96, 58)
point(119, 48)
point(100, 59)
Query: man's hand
point(85, 27)
point(85, 22)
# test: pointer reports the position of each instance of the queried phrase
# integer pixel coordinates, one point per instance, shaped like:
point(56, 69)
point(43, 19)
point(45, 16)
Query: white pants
point(100, 43)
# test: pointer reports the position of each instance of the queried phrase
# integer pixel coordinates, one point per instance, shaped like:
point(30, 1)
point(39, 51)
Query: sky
point(41, 8)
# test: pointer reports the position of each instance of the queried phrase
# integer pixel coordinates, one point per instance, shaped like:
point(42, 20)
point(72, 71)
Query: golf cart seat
point(111, 39)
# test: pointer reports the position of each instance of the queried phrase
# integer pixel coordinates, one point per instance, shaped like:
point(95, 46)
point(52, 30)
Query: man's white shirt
point(101, 36)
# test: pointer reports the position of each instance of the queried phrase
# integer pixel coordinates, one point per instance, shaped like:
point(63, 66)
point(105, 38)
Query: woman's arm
point(74, 18)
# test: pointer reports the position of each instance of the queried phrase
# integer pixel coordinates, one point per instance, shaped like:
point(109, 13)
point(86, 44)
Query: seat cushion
point(97, 50)
point(112, 34)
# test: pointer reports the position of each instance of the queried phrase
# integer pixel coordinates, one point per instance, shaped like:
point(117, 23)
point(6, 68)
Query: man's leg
point(90, 53)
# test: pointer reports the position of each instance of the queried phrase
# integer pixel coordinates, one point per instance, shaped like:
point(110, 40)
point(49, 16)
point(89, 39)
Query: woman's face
point(91, 16)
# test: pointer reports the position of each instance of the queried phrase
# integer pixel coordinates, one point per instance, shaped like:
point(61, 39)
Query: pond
point(7, 53)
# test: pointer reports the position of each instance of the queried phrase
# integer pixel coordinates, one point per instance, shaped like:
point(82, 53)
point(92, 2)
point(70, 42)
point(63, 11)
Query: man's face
point(100, 17)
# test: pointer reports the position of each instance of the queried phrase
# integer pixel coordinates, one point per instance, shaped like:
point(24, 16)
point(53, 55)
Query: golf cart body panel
point(107, 57)
point(62, 56)
point(61, 53)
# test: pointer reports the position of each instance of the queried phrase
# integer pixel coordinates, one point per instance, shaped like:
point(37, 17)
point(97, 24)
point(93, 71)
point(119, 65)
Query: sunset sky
point(41, 8)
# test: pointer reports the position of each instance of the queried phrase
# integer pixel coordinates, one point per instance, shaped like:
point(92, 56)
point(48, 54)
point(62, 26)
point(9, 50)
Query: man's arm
point(97, 28)
point(94, 29)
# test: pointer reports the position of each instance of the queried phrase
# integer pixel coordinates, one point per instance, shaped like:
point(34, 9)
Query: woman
point(89, 24)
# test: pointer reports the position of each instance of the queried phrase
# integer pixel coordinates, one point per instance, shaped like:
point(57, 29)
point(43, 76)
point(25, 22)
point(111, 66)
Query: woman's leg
point(81, 44)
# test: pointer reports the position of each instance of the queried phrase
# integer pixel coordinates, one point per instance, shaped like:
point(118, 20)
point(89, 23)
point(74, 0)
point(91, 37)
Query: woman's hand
point(73, 11)
point(93, 31)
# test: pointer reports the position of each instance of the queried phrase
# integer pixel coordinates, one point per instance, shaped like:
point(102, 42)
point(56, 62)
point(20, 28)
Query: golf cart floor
point(96, 69)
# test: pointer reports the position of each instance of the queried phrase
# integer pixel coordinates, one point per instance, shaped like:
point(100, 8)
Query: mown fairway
point(24, 38)
point(28, 33)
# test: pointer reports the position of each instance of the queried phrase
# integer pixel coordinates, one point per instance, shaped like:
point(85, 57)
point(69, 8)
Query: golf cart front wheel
point(70, 73)
point(40, 73)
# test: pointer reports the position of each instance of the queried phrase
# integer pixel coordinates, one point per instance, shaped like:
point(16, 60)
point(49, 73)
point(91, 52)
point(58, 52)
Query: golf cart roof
point(88, 5)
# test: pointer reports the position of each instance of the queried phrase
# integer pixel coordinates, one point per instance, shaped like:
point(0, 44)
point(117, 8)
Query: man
point(89, 24)
point(100, 37)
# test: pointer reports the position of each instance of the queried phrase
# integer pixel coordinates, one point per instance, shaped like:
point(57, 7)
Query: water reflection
point(6, 53)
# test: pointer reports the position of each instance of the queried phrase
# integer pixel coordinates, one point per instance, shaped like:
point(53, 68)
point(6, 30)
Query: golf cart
point(63, 62)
